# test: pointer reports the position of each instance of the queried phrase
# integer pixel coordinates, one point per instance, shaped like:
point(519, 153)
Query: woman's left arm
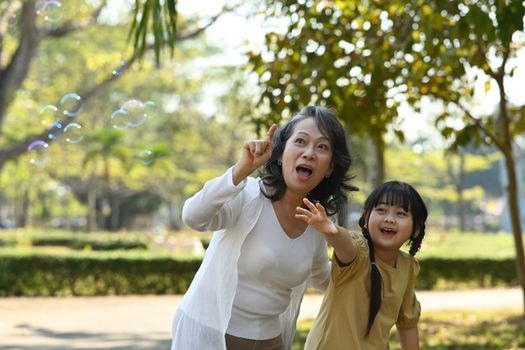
point(408, 338)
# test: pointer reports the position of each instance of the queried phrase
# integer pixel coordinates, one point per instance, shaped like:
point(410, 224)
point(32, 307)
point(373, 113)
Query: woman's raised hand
point(255, 153)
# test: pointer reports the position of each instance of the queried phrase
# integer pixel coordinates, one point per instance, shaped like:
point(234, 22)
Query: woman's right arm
point(217, 205)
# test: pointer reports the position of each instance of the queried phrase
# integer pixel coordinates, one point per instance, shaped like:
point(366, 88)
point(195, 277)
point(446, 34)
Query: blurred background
point(113, 112)
point(96, 138)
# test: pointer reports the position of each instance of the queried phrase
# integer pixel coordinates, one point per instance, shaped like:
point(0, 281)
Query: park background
point(113, 112)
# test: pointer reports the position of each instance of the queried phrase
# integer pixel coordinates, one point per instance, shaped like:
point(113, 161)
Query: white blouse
point(270, 265)
point(202, 317)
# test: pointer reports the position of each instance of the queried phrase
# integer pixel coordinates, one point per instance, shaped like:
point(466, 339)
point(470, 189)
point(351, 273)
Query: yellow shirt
point(342, 319)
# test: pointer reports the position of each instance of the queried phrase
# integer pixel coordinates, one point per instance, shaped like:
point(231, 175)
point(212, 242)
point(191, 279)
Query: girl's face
point(390, 226)
point(307, 157)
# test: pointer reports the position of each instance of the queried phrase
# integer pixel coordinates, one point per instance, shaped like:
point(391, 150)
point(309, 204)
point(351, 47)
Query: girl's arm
point(408, 338)
point(338, 237)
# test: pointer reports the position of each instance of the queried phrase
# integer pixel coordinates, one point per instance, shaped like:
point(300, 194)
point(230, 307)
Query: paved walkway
point(144, 322)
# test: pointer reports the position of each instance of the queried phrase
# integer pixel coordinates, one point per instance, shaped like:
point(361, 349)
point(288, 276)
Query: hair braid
point(416, 241)
point(376, 284)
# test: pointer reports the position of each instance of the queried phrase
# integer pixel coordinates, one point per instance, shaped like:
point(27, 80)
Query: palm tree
point(105, 145)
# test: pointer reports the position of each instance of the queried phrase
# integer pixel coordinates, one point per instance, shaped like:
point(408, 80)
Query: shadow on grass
point(472, 331)
point(461, 330)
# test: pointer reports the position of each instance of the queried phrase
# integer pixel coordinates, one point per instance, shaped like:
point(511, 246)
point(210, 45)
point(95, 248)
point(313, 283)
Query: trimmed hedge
point(50, 275)
point(96, 242)
point(81, 243)
point(475, 272)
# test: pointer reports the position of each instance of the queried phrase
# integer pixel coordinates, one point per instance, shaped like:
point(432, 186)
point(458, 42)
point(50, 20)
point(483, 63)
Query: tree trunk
point(458, 180)
point(22, 209)
point(92, 203)
point(174, 215)
point(513, 188)
point(459, 189)
point(115, 212)
point(513, 203)
point(376, 161)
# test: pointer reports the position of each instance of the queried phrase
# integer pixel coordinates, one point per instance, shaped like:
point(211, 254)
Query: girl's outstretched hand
point(316, 216)
point(255, 153)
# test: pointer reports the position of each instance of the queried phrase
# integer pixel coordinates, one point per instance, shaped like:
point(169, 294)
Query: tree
point(327, 55)
point(20, 44)
point(106, 145)
point(365, 58)
point(453, 45)
point(28, 44)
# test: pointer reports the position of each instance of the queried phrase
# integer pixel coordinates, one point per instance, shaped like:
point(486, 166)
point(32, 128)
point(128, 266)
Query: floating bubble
point(73, 133)
point(119, 68)
point(71, 104)
point(54, 131)
point(119, 119)
point(37, 151)
point(149, 108)
point(50, 10)
point(48, 115)
point(146, 157)
point(136, 112)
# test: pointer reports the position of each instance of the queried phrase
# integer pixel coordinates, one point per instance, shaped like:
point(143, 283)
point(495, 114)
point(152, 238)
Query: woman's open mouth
point(304, 173)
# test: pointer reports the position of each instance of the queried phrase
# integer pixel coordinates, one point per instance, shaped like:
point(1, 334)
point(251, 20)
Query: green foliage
point(93, 274)
point(184, 142)
point(75, 241)
point(154, 17)
point(40, 263)
point(327, 55)
point(80, 244)
point(448, 273)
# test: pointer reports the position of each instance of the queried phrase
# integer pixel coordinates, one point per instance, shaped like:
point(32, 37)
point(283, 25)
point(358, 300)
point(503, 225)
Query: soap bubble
point(71, 104)
point(49, 10)
point(119, 68)
point(37, 152)
point(48, 115)
point(136, 112)
point(73, 133)
point(146, 157)
point(119, 119)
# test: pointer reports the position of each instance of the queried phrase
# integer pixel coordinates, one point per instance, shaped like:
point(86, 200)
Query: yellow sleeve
point(410, 308)
point(342, 273)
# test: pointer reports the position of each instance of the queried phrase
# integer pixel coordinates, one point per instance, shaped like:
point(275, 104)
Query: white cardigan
point(231, 211)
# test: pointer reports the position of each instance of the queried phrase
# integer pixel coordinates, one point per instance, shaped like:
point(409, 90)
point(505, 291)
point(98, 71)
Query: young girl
point(372, 281)
point(247, 292)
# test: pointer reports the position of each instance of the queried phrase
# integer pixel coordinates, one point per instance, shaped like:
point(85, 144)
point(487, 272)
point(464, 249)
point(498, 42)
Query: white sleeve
point(216, 206)
point(321, 267)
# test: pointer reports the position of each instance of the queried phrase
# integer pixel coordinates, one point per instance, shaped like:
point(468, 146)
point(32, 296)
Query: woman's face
point(307, 157)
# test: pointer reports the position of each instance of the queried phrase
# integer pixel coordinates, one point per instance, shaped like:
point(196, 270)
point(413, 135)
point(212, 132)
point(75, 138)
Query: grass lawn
point(459, 330)
point(436, 243)
point(467, 245)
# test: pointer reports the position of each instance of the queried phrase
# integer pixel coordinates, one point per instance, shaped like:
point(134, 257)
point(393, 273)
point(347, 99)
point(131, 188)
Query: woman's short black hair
point(331, 192)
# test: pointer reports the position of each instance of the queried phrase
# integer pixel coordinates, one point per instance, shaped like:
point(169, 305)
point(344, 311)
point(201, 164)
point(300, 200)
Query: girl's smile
point(390, 226)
